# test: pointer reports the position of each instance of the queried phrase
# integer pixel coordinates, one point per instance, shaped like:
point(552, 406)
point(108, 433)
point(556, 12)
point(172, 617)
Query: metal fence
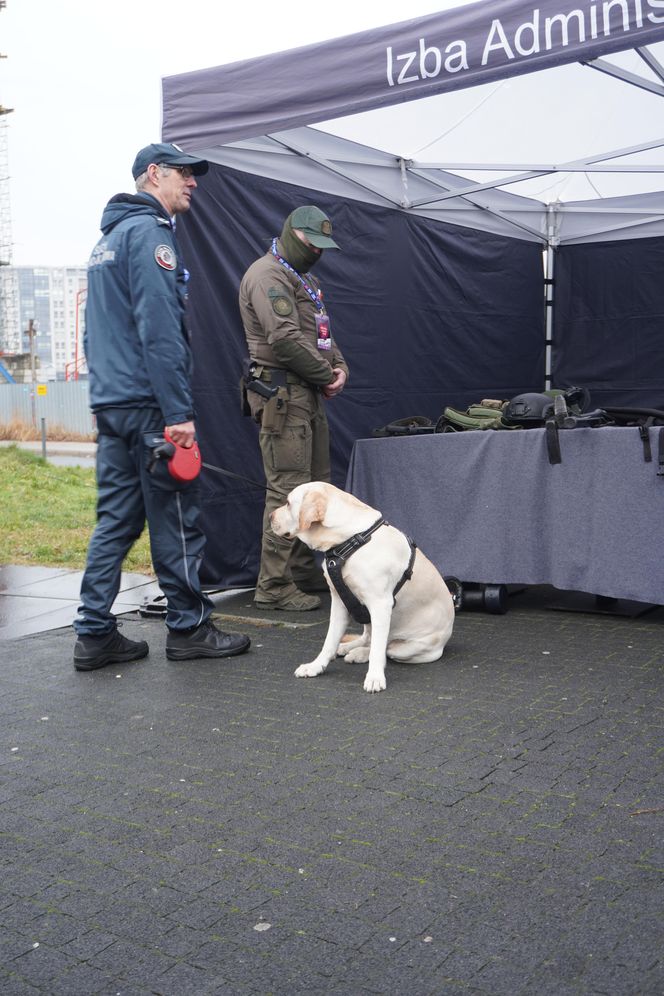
point(62, 403)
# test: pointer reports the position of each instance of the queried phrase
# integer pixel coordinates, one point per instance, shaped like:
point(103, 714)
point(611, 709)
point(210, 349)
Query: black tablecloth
point(487, 506)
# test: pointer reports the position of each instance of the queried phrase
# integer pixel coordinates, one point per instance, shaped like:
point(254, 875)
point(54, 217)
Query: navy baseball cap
point(164, 154)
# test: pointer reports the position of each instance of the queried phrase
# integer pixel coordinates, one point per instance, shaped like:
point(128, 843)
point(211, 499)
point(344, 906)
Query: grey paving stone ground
point(492, 824)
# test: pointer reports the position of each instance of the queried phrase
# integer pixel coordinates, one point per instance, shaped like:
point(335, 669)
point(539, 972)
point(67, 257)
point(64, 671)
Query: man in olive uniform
point(293, 353)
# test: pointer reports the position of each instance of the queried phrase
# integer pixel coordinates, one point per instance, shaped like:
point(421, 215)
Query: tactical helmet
point(535, 409)
point(528, 409)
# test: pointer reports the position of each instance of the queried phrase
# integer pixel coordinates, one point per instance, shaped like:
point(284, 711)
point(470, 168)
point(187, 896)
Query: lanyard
point(314, 295)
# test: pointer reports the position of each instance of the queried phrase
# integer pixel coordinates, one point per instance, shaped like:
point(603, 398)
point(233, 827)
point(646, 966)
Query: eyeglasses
point(186, 172)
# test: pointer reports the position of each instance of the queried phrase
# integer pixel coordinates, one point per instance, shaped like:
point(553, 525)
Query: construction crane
point(7, 292)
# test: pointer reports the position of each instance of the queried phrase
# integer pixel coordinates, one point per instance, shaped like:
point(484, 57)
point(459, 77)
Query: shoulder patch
point(166, 258)
point(282, 306)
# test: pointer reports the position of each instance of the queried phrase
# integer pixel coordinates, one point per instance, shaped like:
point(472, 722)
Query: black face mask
point(300, 256)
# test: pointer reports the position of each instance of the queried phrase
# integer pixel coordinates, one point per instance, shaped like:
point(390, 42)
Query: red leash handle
point(185, 463)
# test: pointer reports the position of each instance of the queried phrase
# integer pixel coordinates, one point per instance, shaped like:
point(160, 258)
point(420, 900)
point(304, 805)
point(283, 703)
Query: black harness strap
point(337, 557)
point(552, 442)
point(645, 439)
point(643, 419)
point(408, 573)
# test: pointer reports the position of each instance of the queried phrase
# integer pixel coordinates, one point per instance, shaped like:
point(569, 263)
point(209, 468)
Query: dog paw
point(358, 655)
point(308, 670)
point(375, 683)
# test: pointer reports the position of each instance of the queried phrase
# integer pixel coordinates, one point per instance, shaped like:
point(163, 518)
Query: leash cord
point(240, 477)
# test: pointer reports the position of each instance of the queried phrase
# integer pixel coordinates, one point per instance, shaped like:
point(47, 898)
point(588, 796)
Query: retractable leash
point(184, 464)
point(248, 480)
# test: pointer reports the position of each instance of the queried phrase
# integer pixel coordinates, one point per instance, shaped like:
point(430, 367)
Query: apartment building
point(52, 298)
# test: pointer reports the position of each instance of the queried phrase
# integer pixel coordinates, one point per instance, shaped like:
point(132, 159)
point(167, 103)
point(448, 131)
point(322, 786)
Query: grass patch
point(47, 514)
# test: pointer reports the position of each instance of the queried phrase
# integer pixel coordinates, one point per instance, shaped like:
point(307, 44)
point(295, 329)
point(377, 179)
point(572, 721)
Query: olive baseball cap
point(164, 154)
point(316, 226)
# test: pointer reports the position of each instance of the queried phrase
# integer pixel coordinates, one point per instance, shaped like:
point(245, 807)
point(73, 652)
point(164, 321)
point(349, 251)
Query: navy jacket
point(136, 341)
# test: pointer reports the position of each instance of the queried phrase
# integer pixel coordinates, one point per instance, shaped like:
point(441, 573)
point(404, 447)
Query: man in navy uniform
point(139, 358)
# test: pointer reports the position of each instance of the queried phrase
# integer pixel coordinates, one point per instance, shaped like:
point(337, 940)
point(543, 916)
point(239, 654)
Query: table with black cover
point(488, 506)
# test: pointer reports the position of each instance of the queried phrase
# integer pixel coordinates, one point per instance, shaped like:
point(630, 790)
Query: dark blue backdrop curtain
point(427, 315)
point(608, 332)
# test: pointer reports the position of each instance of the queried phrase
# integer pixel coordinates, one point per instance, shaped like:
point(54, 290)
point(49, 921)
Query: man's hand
point(184, 434)
point(335, 386)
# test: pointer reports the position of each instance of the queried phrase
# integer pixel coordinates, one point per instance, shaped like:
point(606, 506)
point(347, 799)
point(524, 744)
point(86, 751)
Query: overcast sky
point(84, 80)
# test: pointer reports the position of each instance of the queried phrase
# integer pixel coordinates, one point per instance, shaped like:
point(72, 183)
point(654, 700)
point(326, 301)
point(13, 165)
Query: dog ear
point(312, 509)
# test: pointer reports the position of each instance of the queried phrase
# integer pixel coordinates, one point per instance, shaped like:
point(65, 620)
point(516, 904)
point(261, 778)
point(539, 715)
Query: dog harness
point(337, 557)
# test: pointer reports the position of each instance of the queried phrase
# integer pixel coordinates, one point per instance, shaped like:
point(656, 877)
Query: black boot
point(204, 641)
point(91, 652)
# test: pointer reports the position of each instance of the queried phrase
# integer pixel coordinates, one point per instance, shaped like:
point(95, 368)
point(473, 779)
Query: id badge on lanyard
point(323, 333)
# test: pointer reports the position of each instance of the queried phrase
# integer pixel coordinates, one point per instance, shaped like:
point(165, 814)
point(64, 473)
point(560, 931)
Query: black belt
point(337, 557)
point(274, 375)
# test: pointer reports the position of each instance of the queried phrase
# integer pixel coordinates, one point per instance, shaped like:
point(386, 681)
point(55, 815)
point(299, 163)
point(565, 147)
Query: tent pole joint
point(404, 164)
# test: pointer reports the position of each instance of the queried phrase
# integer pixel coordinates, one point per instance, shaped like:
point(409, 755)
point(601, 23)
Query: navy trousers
point(128, 493)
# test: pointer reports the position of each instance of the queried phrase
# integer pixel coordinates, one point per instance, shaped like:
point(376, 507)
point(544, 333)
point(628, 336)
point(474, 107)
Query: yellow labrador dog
point(386, 583)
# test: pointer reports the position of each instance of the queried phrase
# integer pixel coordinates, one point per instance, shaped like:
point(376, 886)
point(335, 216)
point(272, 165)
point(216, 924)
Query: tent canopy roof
point(454, 66)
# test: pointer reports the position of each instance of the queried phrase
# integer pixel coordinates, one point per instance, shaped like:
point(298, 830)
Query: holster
point(275, 410)
point(250, 381)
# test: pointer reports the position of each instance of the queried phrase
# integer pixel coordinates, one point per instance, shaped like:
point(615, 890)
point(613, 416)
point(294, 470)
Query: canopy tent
point(438, 297)
point(450, 50)
point(470, 46)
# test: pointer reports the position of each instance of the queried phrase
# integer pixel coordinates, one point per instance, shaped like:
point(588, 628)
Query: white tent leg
point(549, 297)
point(548, 314)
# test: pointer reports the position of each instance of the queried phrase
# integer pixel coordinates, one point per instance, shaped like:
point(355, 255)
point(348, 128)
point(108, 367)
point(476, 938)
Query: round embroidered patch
point(165, 257)
point(282, 306)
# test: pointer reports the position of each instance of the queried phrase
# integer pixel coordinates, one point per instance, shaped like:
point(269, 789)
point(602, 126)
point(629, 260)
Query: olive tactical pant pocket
point(289, 450)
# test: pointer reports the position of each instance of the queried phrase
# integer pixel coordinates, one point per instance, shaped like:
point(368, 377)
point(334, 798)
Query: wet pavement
point(61, 454)
point(38, 599)
point(492, 824)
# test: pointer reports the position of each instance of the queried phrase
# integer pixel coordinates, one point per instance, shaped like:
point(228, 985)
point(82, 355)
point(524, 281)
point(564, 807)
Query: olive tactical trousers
point(294, 453)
